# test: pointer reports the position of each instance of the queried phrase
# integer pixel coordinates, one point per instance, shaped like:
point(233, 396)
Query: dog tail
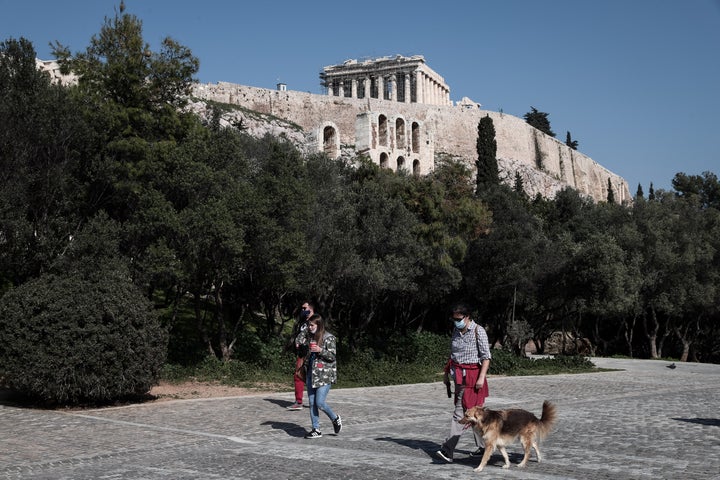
point(547, 420)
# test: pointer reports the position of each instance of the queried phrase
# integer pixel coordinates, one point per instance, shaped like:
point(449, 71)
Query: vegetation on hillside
point(224, 235)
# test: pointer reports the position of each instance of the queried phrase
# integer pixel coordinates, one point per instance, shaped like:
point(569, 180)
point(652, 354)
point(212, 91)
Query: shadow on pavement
point(713, 422)
point(292, 429)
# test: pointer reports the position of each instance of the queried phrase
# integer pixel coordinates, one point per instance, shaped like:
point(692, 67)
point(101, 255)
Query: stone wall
point(545, 164)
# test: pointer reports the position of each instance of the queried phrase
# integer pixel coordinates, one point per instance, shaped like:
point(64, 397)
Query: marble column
point(407, 88)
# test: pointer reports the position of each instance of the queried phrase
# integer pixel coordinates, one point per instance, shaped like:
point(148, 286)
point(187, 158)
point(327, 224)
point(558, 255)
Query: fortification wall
point(545, 164)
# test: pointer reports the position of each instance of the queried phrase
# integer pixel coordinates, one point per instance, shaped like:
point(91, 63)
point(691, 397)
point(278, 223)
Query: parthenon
point(399, 79)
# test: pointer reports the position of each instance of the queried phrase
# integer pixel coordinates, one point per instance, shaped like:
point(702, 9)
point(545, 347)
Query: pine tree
point(487, 166)
point(539, 120)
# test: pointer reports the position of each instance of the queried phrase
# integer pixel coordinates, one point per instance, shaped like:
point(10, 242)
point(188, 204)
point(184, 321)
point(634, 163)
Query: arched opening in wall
point(416, 167)
point(400, 163)
point(399, 133)
point(384, 160)
point(330, 142)
point(383, 130)
point(415, 137)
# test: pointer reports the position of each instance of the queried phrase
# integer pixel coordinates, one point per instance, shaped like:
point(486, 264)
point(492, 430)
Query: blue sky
point(636, 82)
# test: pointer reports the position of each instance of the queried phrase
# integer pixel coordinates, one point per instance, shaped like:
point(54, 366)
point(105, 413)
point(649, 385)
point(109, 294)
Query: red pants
point(299, 384)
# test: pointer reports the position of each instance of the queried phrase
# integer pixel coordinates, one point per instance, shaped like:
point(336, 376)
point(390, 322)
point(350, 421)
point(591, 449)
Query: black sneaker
point(314, 434)
point(337, 424)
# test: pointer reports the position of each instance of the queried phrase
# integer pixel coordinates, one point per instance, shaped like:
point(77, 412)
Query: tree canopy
point(539, 120)
point(219, 236)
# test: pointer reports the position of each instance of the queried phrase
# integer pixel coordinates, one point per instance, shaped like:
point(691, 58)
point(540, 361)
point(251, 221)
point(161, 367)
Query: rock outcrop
point(545, 164)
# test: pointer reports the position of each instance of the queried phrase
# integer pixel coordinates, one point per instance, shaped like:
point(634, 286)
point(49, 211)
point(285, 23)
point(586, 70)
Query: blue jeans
point(316, 397)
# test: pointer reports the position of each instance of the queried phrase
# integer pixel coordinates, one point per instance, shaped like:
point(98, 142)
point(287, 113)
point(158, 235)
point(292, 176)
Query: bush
point(70, 340)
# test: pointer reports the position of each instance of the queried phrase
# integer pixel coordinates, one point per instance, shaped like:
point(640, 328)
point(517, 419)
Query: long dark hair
point(320, 332)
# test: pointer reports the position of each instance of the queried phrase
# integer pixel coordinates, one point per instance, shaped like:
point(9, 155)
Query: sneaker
point(337, 424)
point(295, 406)
point(443, 456)
point(478, 453)
point(314, 434)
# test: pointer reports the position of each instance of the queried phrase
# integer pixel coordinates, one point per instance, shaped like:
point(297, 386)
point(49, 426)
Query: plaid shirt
point(465, 349)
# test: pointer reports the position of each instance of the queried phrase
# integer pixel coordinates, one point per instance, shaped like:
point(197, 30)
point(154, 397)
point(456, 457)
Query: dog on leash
point(501, 428)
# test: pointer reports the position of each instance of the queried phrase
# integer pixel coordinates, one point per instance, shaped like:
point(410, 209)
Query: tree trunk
point(201, 324)
point(651, 333)
point(628, 334)
point(225, 349)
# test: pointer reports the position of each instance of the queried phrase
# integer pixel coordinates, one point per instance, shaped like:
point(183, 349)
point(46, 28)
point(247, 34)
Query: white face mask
point(460, 324)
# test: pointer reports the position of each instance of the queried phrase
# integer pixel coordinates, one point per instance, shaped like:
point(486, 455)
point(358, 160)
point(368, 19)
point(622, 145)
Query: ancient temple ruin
point(398, 79)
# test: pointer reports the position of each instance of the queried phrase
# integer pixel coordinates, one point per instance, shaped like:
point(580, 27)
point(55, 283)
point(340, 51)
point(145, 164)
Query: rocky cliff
point(545, 164)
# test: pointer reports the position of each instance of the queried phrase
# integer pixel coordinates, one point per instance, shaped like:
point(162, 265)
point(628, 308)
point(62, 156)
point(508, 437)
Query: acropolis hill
point(397, 111)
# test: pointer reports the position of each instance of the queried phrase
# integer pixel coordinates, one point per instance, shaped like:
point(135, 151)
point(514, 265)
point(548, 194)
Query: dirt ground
point(189, 390)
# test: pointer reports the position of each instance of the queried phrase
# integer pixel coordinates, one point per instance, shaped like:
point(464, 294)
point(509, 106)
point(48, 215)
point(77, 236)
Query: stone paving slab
point(642, 421)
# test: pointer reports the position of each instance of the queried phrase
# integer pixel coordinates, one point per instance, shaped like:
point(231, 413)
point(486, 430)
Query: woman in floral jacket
point(321, 374)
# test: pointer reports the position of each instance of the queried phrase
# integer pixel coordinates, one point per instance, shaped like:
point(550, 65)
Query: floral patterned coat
point(323, 365)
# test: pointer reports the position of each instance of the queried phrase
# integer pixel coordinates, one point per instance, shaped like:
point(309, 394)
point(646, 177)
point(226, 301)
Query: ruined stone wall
point(545, 164)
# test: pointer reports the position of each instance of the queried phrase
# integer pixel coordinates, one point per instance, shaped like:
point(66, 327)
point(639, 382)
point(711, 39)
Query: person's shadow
point(292, 429)
point(429, 448)
point(281, 403)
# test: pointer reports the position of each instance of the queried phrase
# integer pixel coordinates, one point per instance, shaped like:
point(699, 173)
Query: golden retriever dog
point(501, 428)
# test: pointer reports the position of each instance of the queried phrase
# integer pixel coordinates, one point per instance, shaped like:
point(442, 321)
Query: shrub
point(70, 340)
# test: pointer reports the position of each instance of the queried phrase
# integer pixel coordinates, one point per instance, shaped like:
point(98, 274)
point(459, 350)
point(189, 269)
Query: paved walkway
point(645, 421)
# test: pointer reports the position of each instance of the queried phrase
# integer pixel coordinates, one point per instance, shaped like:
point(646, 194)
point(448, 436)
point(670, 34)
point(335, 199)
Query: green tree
point(81, 332)
point(133, 98)
point(639, 194)
point(539, 120)
point(43, 139)
point(140, 90)
point(705, 187)
point(500, 270)
point(519, 186)
point(610, 192)
point(570, 142)
point(486, 163)
point(278, 255)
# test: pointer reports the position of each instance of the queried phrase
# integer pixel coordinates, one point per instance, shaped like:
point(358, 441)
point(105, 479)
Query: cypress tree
point(570, 142)
point(640, 193)
point(487, 167)
point(610, 194)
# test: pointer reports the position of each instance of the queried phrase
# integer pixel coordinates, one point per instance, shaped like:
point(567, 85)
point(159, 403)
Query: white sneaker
point(295, 406)
point(442, 455)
